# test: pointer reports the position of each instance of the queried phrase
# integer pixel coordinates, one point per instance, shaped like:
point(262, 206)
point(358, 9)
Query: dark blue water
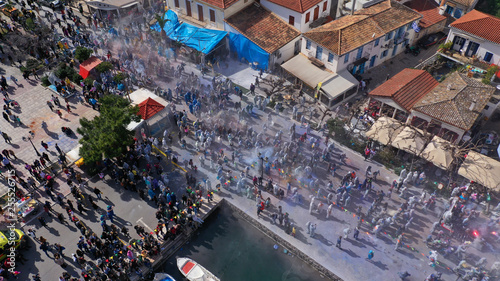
point(234, 250)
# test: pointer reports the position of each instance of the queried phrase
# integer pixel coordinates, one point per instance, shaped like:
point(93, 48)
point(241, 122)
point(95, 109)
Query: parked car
point(53, 4)
point(431, 39)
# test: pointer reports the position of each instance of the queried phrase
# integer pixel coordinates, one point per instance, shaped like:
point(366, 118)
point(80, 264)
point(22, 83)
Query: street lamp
point(28, 138)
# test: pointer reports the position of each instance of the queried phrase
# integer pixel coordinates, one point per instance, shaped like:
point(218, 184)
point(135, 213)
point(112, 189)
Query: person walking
point(58, 149)
point(6, 137)
point(97, 192)
point(59, 113)
point(32, 233)
point(370, 254)
point(44, 145)
point(68, 108)
point(45, 247)
point(51, 106)
point(42, 221)
point(339, 242)
point(356, 233)
point(11, 152)
point(312, 230)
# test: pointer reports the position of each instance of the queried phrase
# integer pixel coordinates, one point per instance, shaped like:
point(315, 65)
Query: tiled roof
point(429, 9)
point(466, 3)
point(223, 4)
point(263, 28)
point(148, 108)
point(407, 87)
point(479, 24)
point(353, 31)
point(452, 99)
point(297, 5)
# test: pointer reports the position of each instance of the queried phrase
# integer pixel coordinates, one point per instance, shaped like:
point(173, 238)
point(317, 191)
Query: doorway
point(200, 12)
point(188, 8)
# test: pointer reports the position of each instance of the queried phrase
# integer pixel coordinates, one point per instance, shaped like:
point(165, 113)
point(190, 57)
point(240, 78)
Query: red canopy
point(88, 65)
point(148, 108)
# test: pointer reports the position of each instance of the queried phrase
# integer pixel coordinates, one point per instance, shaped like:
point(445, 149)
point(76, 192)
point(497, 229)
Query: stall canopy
point(410, 140)
point(170, 26)
point(482, 169)
point(148, 108)
point(200, 39)
point(439, 152)
point(249, 50)
point(88, 65)
point(301, 67)
point(385, 130)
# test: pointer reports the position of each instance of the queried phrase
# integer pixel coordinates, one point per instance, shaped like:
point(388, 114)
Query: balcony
point(457, 57)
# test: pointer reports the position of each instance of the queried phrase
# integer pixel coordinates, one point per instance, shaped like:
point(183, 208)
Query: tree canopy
point(82, 53)
point(107, 135)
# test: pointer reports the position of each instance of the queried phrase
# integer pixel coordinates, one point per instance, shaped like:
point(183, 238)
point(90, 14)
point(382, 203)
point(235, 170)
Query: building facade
point(207, 13)
point(301, 14)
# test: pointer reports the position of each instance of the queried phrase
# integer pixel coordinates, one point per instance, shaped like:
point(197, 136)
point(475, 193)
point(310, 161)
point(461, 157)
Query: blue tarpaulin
point(171, 25)
point(249, 50)
point(200, 39)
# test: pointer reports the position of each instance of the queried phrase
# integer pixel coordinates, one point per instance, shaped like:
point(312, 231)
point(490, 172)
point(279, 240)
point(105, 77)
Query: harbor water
point(234, 250)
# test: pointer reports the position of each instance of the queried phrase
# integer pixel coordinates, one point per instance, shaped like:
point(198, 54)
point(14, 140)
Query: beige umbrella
point(439, 152)
point(482, 169)
point(384, 130)
point(410, 140)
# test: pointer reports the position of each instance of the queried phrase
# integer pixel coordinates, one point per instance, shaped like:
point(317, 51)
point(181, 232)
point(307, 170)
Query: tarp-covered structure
point(88, 65)
point(249, 50)
point(200, 39)
point(170, 26)
point(481, 169)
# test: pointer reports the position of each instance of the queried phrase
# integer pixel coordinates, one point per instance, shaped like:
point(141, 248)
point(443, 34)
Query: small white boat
point(193, 271)
point(163, 277)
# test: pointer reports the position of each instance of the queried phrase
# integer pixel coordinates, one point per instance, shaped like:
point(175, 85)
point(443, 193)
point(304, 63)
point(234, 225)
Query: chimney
point(442, 7)
point(472, 105)
point(354, 7)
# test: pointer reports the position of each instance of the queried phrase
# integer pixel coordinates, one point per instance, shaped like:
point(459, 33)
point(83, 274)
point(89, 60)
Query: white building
point(477, 35)
point(363, 40)
point(207, 13)
point(354, 43)
point(302, 14)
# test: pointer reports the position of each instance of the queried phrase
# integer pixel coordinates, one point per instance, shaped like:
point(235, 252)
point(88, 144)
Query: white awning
point(338, 84)
point(301, 67)
point(482, 169)
point(385, 130)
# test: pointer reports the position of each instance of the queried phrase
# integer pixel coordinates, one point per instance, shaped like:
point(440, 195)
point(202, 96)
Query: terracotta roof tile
point(350, 32)
point(452, 99)
point(429, 9)
point(479, 24)
point(148, 108)
point(297, 5)
point(407, 87)
point(263, 28)
point(466, 3)
point(223, 4)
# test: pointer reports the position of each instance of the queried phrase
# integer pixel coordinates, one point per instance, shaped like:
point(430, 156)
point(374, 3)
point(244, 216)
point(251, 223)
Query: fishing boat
point(163, 277)
point(193, 271)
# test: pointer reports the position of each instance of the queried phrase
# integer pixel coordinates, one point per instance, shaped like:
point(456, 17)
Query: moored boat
point(163, 277)
point(194, 271)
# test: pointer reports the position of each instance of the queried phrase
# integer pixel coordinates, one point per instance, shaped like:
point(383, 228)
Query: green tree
point(162, 21)
point(107, 135)
point(104, 66)
point(82, 53)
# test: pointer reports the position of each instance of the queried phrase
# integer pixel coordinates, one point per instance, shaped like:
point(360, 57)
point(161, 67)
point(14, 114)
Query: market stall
point(26, 206)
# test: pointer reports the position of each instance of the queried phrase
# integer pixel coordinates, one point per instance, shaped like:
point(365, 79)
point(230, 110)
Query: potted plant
point(445, 47)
